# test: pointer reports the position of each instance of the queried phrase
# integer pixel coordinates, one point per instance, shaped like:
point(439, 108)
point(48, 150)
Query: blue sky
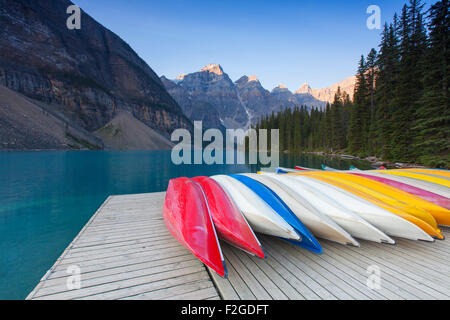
point(286, 42)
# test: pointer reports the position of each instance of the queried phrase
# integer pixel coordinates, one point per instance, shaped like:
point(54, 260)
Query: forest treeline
point(400, 108)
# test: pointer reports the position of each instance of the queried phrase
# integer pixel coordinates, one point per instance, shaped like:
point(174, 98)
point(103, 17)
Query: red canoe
point(304, 169)
point(421, 193)
point(188, 219)
point(230, 224)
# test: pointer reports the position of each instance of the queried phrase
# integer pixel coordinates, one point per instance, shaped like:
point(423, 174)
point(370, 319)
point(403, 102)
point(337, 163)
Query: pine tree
point(386, 82)
point(409, 87)
point(337, 124)
point(432, 129)
point(358, 125)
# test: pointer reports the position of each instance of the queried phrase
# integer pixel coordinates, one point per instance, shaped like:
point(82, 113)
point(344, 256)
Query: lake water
point(47, 197)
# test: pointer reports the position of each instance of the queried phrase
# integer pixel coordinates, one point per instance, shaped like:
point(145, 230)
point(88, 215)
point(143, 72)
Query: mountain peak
point(253, 78)
point(304, 88)
point(181, 76)
point(280, 87)
point(213, 68)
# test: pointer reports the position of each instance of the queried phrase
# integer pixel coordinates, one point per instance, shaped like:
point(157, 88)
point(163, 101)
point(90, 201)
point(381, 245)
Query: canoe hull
point(259, 215)
point(347, 220)
point(229, 222)
point(307, 240)
point(319, 224)
point(188, 219)
point(424, 194)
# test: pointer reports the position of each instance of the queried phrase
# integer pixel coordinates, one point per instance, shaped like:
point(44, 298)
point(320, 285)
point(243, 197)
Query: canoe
point(229, 222)
point(347, 220)
point(326, 168)
point(261, 217)
point(425, 210)
point(369, 196)
point(383, 219)
point(388, 195)
point(188, 219)
point(318, 223)
point(421, 193)
point(285, 170)
point(305, 169)
point(430, 174)
point(440, 172)
point(428, 186)
point(418, 176)
point(307, 240)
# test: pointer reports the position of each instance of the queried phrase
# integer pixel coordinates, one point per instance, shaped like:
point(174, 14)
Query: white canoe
point(429, 174)
point(318, 223)
point(384, 220)
point(349, 221)
point(425, 185)
point(261, 217)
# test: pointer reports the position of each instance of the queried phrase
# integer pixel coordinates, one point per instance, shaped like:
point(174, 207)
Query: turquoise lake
point(47, 197)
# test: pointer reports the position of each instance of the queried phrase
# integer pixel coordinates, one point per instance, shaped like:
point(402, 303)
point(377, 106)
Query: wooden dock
point(126, 252)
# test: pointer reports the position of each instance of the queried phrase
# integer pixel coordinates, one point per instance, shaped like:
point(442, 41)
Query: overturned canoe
point(382, 193)
point(383, 219)
point(187, 217)
point(285, 170)
point(305, 168)
point(318, 223)
point(438, 172)
point(229, 222)
point(307, 240)
point(425, 185)
point(346, 219)
point(261, 217)
point(430, 174)
point(326, 168)
point(419, 176)
point(421, 193)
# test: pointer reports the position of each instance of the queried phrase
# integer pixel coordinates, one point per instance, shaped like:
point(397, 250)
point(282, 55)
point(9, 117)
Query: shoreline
point(374, 161)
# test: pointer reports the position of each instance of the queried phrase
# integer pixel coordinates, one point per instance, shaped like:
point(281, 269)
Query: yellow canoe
point(419, 176)
point(394, 197)
point(443, 173)
point(367, 196)
point(440, 214)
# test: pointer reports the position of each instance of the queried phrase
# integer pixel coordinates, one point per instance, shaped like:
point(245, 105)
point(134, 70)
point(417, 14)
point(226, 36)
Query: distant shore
point(374, 161)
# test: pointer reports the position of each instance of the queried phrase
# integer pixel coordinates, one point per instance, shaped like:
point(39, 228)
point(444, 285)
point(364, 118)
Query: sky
point(282, 42)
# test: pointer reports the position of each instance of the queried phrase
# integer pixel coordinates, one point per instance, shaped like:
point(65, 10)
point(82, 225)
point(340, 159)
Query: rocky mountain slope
point(235, 105)
point(26, 124)
point(193, 106)
point(327, 94)
point(125, 132)
point(211, 90)
point(85, 76)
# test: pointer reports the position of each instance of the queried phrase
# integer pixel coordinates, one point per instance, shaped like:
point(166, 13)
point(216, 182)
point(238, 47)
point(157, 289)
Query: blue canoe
point(271, 198)
point(326, 168)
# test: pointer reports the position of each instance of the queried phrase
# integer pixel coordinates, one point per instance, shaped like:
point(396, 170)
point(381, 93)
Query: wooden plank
point(149, 287)
point(361, 268)
point(175, 290)
point(126, 252)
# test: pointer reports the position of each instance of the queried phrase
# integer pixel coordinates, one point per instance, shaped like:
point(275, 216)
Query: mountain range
point(88, 89)
point(211, 96)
